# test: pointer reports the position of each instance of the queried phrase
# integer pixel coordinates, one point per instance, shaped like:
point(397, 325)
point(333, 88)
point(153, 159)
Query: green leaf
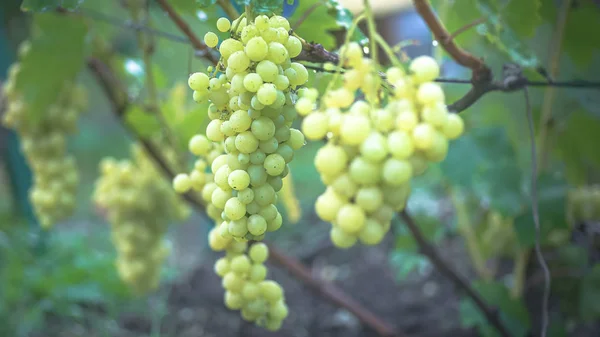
point(56, 55)
point(491, 170)
point(523, 16)
point(456, 15)
point(579, 42)
point(48, 5)
point(589, 305)
point(551, 205)
point(315, 13)
point(577, 145)
point(344, 18)
point(513, 312)
point(145, 124)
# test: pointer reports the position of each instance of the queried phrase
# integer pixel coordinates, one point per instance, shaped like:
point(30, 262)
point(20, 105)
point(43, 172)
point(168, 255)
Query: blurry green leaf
point(513, 312)
point(551, 204)
point(190, 6)
point(579, 42)
point(523, 16)
point(344, 19)
point(315, 13)
point(145, 124)
point(56, 55)
point(48, 5)
point(456, 15)
point(501, 184)
point(404, 263)
point(590, 295)
point(484, 160)
point(577, 145)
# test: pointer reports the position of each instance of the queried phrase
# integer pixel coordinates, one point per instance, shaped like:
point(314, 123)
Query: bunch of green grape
point(583, 204)
point(249, 141)
point(43, 138)
point(139, 205)
point(375, 145)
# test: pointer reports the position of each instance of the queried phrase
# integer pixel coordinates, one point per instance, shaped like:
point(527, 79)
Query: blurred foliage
point(61, 280)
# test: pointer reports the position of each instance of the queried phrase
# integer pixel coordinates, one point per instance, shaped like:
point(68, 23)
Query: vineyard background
point(63, 283)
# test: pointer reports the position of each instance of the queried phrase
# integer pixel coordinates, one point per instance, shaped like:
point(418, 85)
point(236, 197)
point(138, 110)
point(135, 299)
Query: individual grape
point(238, 61)
point(454, 126)
point(223, 24)
point(328, 204)
point(239, 180)
point(315, 126)
point(277, 53)
point(422, 136)
point(331, 160)
point(430, 93)
point(267, 70)
point(240, 121)
point(400, 144)
point(234, 209)
point(424, 69)
point(396, 172)
point(350, 218)
point(369, 198)
point(257, 225)
point(182, 183)
point(341, 239)
point(294, 46)
point(256, 49)
point(199, 145)
point(267, 93)
point(198, 81)
point(372, 233)
point(274, 164)
point(211, 39)
point(354, 129)
point(263, 128)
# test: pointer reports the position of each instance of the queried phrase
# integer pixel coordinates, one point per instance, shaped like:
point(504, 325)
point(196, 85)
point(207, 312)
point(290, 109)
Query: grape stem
point(115, 92)
point(427, 249)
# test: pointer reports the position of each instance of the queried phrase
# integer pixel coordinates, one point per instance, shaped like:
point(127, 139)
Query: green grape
point(223, 24)
point(211, 39)
point(267, 70)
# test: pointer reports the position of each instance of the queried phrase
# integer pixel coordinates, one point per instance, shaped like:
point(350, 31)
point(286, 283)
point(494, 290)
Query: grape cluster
point(249, 141)
point(43, 138)
point(583, 204)
point(139, 206)
point(374, 145)
point(243, 276)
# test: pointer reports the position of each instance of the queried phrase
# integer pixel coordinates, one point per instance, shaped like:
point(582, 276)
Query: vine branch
point(185, 29)
point(441, 34)
point(429, 250)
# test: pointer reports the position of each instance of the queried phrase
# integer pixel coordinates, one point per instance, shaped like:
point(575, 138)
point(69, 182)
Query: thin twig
point(536, 217)
point(429, 250)
point(306, 14)
point(185, 29)
point(465, 28)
